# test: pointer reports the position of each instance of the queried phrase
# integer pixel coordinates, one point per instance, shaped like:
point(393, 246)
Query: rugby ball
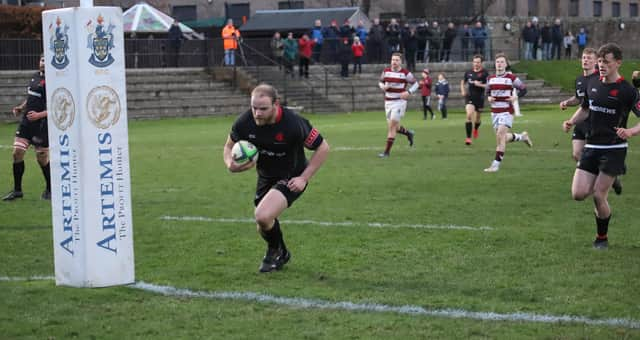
point(244, 152)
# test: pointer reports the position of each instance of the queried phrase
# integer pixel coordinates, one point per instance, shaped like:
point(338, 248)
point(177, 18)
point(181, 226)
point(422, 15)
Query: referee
point(281, 136)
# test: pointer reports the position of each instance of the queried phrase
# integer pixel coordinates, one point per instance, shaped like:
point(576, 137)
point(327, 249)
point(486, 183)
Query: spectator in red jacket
point(358, 51)
point(425, 89)
point(305, 50)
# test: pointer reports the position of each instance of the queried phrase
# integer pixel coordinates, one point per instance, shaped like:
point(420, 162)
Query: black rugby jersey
point(281, 144)
point(609, 106)
point(36, 94)
point(470, 77)
point(582, 81)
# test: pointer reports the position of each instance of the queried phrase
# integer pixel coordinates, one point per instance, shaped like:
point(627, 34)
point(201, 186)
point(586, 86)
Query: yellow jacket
point(229, 35)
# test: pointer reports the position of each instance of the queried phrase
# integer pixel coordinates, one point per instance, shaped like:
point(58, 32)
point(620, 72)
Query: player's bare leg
point(266, 215)
point(476, 125)
point(392, 130)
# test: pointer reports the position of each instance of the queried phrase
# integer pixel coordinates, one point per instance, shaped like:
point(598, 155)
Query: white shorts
point(504, 118)
point(394, 109)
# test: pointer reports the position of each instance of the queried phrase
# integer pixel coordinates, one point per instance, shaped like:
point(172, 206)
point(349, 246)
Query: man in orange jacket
point(230, 36)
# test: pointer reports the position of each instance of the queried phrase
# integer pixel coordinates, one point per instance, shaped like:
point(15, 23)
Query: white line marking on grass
point(31, 278)
point(327, 224)
point(381, 308)
point(6, 146)
point(298, 302)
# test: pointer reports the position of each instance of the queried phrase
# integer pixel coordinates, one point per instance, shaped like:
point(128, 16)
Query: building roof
point(301, 19)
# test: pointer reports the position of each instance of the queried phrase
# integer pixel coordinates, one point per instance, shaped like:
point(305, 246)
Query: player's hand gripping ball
point(244, 152)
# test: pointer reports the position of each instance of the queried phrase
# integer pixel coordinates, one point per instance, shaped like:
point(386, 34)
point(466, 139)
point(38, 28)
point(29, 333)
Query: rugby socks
point(273, 236)
point(516, 137)
point(403, 131)
point(18, 171)
point(603, 228)
point(390, 141)
point(476, 126)
point(467, 127)
point(499, 156)
point(46, 171)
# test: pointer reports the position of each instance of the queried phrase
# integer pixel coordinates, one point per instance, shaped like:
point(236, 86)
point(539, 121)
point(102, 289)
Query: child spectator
point(425, 89)
point(358, 51)
point(442, 91)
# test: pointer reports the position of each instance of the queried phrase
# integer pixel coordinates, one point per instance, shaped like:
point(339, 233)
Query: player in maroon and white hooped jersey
point(500, 95)
point(394, 81)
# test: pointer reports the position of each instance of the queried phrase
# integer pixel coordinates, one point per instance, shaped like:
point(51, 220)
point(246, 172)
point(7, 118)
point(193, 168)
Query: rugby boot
point(410, 135)
point(274, 259)
point(467, 141)
point(617, 186)
point(46, 195)
point(383, 155)
point(600, 244)
point(475, 134)
point(13, 195)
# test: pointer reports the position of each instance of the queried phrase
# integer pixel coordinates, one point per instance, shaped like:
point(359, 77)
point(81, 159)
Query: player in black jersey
point(606, 105)
point(473, 87)
point(635, 78)
point(579, 135)
point(32, 130)
point(280, 135)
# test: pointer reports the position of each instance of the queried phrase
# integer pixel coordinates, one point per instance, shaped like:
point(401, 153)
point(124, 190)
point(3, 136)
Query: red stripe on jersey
point(395, 80)
point(279, 114)
point(311, 138)
point(400, 90)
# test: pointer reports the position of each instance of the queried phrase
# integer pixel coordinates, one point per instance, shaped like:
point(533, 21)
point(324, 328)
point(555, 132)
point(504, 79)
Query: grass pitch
point(425, 228)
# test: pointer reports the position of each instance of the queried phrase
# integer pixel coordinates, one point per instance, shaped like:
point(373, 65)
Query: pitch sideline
point(328, 224)
point(298, 302)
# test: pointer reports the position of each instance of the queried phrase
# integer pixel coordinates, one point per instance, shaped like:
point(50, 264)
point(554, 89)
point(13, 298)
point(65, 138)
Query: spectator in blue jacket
point(442, 91)
point(479, 36)
point(361, 32)
point(317, 35)
point(582, 39)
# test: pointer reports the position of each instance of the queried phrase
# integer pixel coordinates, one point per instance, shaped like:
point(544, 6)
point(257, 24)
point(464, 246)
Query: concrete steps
point(151, 93)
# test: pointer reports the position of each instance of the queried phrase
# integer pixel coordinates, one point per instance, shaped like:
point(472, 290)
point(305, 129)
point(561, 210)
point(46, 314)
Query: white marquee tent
point(144, 18)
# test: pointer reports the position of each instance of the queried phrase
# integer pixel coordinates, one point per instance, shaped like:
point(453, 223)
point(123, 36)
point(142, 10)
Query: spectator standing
point(581, 39)
point(568, 43)
point(558, 39)
point(536, 44)
point(411, 47)
point(435, 42)
point(479, 35)
point(361, 32)
point(375, 43)
point(175, 42)
point(290, 53)
point(230, 36)
point(529, 37)
point(346, 31)
point(277, 48)
point(421, 33)
point(393, 36)
point(547, 41)
point(358, 51)
point(331, 35)
point(425, 90)
point(448, 37)
point(305, 50)
point(317, 34)
point(344, 56)
point(442, 91)
point(466, 41)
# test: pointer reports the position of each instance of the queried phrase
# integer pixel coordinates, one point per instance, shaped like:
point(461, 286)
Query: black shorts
point(37, 133)
point(580, 131)
point(477, 101)
point(280, 184)
point(609, 161)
